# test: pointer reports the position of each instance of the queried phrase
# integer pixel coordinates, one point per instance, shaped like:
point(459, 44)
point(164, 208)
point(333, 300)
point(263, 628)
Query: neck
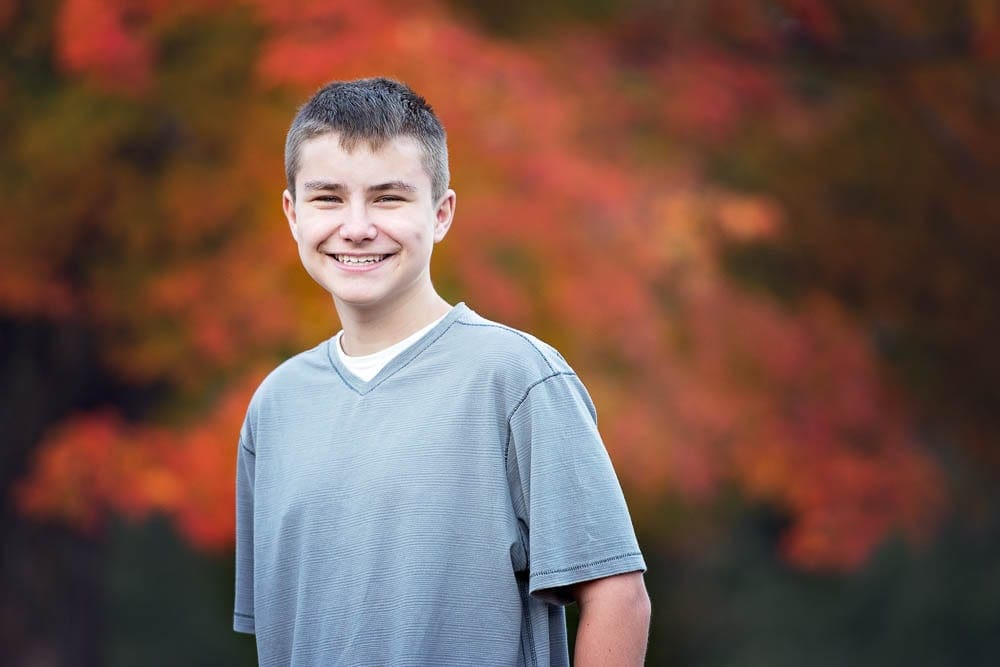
point(367, 331)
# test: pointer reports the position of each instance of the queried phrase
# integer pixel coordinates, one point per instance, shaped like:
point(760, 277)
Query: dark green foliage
point(168, 605)
point(738, 605)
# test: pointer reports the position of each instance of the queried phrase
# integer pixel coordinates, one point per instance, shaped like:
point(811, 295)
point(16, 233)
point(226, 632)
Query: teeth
point(364, 259)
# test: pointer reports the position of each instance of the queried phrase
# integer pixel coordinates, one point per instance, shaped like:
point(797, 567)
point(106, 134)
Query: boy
point(427, 487)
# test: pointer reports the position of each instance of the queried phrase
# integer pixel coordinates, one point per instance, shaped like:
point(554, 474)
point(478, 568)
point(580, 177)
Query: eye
point(327, 198)
point(389, 198)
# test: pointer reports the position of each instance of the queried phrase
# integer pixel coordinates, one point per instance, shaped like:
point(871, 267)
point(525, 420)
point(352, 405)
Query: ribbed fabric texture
point(430, 516)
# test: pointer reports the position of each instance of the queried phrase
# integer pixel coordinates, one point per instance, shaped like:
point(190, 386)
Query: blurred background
point(761, 231)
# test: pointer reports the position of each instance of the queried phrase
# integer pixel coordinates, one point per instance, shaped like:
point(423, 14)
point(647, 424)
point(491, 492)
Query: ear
point(443, 216)
point(288, 206)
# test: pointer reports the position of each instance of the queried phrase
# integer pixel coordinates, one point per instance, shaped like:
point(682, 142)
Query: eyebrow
point(330, 186)
point(392, 185)
point(314, 186)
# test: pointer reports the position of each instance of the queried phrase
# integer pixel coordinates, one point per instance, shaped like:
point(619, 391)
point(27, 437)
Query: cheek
point(313, 229)
point(424, 241)
point(413, 236)
point(425, 233)
point(307, 236)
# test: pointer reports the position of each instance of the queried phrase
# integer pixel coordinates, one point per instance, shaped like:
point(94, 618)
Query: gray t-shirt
point(429, 516)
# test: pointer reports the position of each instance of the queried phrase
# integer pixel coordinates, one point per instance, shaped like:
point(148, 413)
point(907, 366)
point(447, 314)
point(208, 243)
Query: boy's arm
point(243, 607)
point(614, 621)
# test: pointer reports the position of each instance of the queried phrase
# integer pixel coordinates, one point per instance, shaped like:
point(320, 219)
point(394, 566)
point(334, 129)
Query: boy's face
point(365, 221)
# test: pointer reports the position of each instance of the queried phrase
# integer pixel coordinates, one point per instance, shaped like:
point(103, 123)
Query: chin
point(355, 300)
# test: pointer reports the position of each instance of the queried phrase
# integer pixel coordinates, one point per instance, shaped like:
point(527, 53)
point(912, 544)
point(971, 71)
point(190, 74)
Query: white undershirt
point(367, 366)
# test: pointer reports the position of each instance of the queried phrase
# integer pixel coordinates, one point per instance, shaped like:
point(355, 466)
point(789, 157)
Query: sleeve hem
point(244, 623)
point(606, 567)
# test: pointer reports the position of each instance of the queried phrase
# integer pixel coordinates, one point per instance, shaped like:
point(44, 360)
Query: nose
point(356, 226)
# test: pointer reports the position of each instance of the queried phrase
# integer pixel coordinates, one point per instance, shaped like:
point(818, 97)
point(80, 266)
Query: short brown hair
point(375, 110)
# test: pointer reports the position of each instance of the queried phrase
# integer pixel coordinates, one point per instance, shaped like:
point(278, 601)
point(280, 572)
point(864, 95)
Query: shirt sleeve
point(243, 607)
point(565, 491)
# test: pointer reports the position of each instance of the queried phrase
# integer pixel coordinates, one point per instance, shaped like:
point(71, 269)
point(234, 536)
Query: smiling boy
point(427, 487)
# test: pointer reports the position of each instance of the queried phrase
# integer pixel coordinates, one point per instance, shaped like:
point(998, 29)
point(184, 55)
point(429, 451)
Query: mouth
point(358, 260)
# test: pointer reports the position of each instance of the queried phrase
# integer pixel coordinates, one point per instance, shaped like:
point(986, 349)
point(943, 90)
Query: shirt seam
point(236, 613)
point(247, 449)
point(506, 449)
point(516, 333)
point(526, 621)
point(586, 565)
point(333, 365)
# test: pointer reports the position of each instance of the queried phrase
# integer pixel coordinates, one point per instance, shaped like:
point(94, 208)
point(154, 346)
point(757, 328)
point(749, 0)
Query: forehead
point(399, 158)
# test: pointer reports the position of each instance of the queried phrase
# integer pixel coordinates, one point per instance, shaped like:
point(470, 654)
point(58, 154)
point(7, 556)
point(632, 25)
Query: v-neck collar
point(399, 361)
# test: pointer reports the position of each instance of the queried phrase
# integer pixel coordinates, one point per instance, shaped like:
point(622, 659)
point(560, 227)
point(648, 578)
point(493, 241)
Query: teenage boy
point(427, 487)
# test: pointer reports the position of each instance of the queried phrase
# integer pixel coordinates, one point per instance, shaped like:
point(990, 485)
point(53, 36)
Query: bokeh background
point(763, 232)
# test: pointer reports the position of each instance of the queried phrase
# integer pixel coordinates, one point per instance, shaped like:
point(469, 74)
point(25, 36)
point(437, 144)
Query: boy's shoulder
point(302, 370)
point(515, 358)
point(496, 343)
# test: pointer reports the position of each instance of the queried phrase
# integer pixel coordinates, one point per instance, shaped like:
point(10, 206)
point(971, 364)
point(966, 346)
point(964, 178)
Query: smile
point(359, 260)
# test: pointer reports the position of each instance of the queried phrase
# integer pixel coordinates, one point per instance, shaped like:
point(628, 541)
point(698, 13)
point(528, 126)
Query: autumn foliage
point(144, 195)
